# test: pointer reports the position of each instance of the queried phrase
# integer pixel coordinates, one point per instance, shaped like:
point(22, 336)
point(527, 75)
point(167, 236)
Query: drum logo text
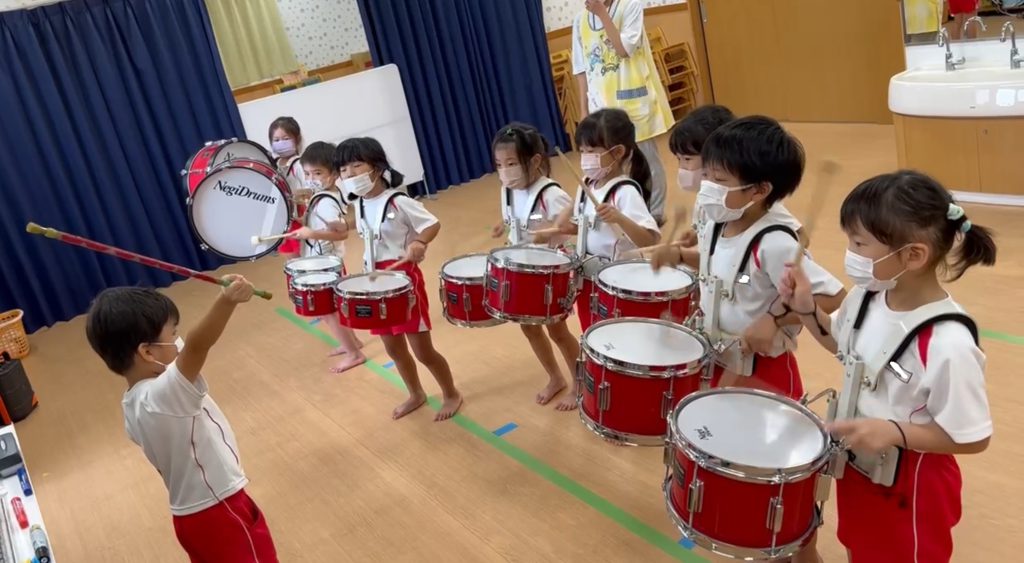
point(703, 433)
point(244, 191)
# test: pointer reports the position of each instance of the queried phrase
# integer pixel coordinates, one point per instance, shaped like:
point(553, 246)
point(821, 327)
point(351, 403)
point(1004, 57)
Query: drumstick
point(586, 189)
point(131, 256)
point(550, 231)
point(826, 174)
point(256, 239)
point(375, 274)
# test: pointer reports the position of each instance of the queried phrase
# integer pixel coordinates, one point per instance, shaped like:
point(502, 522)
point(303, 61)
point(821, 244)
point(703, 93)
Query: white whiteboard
point(370, 103)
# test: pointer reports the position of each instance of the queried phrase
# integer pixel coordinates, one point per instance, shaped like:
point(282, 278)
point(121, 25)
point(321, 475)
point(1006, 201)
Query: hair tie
point(954, 212)
point(965, 227)
point(510, 132)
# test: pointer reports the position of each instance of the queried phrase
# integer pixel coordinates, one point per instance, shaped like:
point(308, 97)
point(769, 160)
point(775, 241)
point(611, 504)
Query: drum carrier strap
point(311, 211)
point(509, 214)
point(581, 206)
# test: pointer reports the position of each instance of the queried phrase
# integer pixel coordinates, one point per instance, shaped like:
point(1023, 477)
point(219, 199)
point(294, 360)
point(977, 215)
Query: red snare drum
point(633, 372)
point(214, 153)
point(634, 289)
point(462, 291)
point(529, 285)
point(313, 294)
point(745, 472)
point(310, 264)
point(378, 300)
point(236, 200)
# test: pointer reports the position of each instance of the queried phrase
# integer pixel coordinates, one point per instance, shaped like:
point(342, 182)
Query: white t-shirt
point(293, 173)
point(545, 210)
point(318, 217)
point(602, 239)
point(947, 385)
point(777, 212)
point(765, 268)
point(631, 31)
point(185, 436)
point(404, 219)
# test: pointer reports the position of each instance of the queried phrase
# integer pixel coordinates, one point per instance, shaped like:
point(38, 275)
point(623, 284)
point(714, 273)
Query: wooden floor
point(339, 481)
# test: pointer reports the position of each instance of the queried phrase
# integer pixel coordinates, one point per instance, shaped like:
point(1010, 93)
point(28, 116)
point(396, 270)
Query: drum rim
point(728, 549)
point(624, 438)
point(470, 324)
point(205, 245)
point(690, 368)
point(314, 287)
point(643, 296)
point(529, 320)
point(293, 273)
point(474, 280)
point(385, 294)
point(742, 472)
point(582, 265)
point(521, 267)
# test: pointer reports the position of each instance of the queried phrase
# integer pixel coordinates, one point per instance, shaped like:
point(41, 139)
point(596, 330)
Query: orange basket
point(13, 339)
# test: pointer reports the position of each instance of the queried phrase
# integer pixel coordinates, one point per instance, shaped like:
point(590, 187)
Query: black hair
point(289, 125)
point(757, 150)
point(907, 206)
point(610, 127)
point(688, 136)
point(368, 150)
point(528, 142)
point(319, 154)
point(122, 318)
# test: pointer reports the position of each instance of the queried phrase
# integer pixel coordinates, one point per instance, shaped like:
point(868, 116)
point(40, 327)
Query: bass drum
point(215, 153)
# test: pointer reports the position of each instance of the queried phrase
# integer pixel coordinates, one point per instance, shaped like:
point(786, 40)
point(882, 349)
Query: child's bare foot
point(449, 407)
point(352, 359)
point(554, 387)
point(568, 403)
point(412, 403)
point(337, 352)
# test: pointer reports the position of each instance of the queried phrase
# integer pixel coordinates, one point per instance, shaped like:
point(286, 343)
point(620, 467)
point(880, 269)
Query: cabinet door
point(1000, 145)
point(944, 148)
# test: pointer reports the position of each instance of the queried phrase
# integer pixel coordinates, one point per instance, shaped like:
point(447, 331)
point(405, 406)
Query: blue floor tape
point(687, 543)
point(389, 365)
point(506, 429)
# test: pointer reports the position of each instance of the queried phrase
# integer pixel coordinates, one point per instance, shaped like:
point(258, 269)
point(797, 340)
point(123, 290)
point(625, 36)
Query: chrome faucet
point(1015, 59)
point(944, 41)
point(974, 19)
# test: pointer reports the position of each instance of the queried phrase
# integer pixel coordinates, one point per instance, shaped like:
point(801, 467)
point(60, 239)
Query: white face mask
point(315, 185)
point(590, 162)
point(861, 270)
point(688, 179)
point(359, 185)
point(510, 176)
point(712, 200)
point(178, 343)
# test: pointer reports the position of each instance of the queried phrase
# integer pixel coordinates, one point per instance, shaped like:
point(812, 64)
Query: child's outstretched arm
point(205, 334)
point(795, 293)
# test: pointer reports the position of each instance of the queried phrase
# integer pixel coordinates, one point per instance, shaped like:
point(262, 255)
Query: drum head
point(313, 264)
point(644, 342)
point(466, 267)
point(315, 279)
point(381, 282)
point(234, 203)
point(235, 149)
point(752, 429)
point(531, 256)
point(640, 277)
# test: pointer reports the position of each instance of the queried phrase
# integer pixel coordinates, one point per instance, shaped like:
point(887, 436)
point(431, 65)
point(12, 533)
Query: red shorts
point(232, 530)
point(910, 521)
point(963, 6)
point(587, 288)
point(780, 375)
point(291, 245)
point(419, 320)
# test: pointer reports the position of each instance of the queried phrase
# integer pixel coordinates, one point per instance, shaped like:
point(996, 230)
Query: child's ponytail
point(640, 172)
point(977, 246)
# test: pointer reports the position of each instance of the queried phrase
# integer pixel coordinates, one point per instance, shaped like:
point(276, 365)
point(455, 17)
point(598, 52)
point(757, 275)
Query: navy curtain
point(101, 104)
point(468, 67)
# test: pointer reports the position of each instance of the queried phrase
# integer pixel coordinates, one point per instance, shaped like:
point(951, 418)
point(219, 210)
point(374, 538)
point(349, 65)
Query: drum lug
point(441, 294)
point(505, 289)
point(774, 520)
point(604, 396)
point(548, 295)
point(695, 496)
point(581, 371)
point(467, 303)
point(382, 307)
point(344, 308)
point(822, 488)
point(593, 303)
point(666, 403)
point(679, 474)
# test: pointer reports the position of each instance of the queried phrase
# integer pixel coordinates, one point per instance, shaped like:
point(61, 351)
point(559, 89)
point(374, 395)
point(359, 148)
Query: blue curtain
point(101, 104)
point(468, 67)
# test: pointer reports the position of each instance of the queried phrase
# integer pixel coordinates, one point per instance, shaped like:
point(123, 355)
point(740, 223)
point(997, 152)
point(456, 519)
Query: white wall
point(560, 13)
point(323, 32)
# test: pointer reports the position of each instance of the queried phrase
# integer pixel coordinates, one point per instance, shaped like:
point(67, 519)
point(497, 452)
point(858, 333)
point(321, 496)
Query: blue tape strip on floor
point(389, 365)
point(314, 321)
point(687, 543)
point(506, 429)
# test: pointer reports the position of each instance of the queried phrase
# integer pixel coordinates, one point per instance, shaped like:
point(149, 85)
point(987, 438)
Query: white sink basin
point(965, 92)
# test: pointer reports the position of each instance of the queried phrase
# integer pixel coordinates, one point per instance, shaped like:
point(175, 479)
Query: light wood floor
point(339, 481)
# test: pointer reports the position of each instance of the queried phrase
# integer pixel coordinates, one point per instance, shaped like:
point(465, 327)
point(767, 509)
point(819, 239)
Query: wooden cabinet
point(964, 154)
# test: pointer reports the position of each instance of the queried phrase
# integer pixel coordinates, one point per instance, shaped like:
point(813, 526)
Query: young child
point(925, 399)
point(621, 221)
point(530, 200)
point(751, 164)
point(168, 412)
point(286, 144)
point(686, 142)
point(324, 234)
point(397, 228)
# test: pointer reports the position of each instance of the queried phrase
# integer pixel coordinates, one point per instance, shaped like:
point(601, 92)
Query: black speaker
point(16, 394)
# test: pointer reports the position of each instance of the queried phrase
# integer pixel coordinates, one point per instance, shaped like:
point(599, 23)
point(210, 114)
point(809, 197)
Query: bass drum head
point(234, 149)
point(234, 203)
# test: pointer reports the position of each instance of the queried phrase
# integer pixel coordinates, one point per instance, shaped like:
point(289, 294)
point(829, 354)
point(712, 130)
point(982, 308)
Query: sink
point(965, 92)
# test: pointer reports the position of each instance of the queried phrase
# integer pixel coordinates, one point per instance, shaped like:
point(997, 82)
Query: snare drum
point(745, 472)
point(462, 291)
point(310, 264)
point(313, 293)
point(633, 372)
point(374, 301)
point(529, 285)
point(634, 289)
point(214, 153)
point(236, 200)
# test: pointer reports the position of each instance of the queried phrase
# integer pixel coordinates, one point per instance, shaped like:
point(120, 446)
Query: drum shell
point(313, 300)
point(528, 294)
point(462, 298)
point(366, 310)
